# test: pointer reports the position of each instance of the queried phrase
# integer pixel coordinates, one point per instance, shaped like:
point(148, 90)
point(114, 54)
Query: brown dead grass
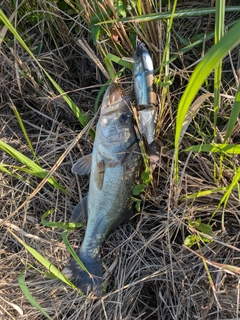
point(148, 272)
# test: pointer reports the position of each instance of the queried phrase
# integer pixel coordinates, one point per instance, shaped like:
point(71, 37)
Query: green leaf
point(219, 31)
point(201, 72)
point(180, 37)
point(204, 193)
point(95, 30)
point(67, 225)
point(83, 118)
point(139, 7)
point(119, 61)
point(100, 93)
point(190, 240)
point(110, 68)
point(47, 264)
point(146, 176)
point(166, 84)
point(36, 169)
point(137, 203)
point(29, 296)
point(121, 8)
point(219, 148)
point(204, 239)
point(138, 206)
point(205, 228)
point(194, 223)
point(234, 115)
point(226, 196)
point(24, 131)
point(3, 169)
point(72, 252)
point(138, 189)
point(168, 15)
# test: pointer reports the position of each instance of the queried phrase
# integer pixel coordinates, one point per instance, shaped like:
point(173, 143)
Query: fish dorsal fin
point(83, 165)
point(99, 174)
point(80, 212)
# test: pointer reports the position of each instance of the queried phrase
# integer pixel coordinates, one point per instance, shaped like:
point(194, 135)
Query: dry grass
point(149, 273)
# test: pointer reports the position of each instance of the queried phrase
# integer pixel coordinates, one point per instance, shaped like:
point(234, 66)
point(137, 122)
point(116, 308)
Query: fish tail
point(88, 282)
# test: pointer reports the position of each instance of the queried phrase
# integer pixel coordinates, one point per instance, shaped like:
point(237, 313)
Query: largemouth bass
point(115, 166)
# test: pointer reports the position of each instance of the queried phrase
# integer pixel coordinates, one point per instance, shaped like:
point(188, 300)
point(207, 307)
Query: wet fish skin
point(115, 167)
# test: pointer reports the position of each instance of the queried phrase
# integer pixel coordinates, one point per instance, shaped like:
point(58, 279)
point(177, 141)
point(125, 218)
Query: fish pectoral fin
point(83, 165)
point(80, 212)
point(99, 174)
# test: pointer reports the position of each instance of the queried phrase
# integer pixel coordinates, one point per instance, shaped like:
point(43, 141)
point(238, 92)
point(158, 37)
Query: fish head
point(116, 120)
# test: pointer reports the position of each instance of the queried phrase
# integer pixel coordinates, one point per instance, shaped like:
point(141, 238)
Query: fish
point(115, 166)
point(143, 75)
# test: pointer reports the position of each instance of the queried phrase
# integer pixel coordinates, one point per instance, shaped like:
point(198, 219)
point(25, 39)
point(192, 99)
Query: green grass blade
point(100, 93)
point(72, 252)
point(201, 72)
point(5, 170)
point(35, 168)
point(234, 115)
point(219, 20)
point(203, 193)
point(226, 196)
point(167, 15)
point(15, 110)
point(166, 55)
point(219, 31)
point(230, 188)
point(195, 41)
point(29, 296)
point(67, 225)
point(44, 262)
point(219, 148)
point(83, 119)
point(31, 172)
point(119, 61)
point(139, 7)
point(110, 68)
point(183, 41)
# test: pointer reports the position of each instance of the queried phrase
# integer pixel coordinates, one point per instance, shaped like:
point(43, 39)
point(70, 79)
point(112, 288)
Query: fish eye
point(123, 117)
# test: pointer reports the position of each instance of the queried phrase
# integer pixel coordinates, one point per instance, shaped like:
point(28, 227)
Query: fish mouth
point(115, 92)
point(112, 94)
point(114, 105)
point(114, 121)
point(112, 108)
point(114, 99)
